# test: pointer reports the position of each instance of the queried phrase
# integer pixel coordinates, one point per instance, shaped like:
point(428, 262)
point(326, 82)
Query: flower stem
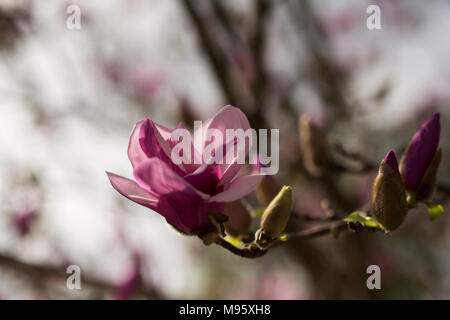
point(250, 250)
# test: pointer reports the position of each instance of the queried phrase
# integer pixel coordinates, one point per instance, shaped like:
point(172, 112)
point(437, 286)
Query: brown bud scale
point(389, 206)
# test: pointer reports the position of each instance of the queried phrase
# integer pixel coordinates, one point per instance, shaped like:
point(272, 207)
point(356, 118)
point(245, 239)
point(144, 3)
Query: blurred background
point(69, 99)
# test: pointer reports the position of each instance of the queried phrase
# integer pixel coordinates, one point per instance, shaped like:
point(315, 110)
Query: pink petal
point(131, 190)
point(204, 209)
point(421, 152)
point(158, 177)
point(230, 172)
point(155, 175)
point(205, 178)
point(153, 144)
point(135, 153)
point(229, 169)
point(391, 160)
point(196, 157)
point(163, 131)
point(228, 117)
point(237, 189)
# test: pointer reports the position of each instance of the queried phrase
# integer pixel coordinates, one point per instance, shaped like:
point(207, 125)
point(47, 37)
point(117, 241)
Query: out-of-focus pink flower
point(280, 286)
point(23, 220)
point(380, 257)
point(184, 193)
point(420, 153)
point(145, 83)
point(338, 22)
point(270, 285)
point(131, 281)
point(141, 81)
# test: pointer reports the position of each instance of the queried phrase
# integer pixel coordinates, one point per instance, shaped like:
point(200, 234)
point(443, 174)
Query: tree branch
point(250, 250)
point(256, 249)
point(43, 272)
point(217, 60)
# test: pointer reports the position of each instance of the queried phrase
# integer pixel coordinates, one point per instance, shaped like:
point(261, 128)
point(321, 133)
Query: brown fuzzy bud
point(314, 146)
point(276, 216)
point(267, 189)
point(239, 218)
point(428, 183)
point(389, 206)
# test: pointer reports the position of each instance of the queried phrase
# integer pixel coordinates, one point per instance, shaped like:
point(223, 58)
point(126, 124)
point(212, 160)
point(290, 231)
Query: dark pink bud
point(391, 160)
point(420, 153)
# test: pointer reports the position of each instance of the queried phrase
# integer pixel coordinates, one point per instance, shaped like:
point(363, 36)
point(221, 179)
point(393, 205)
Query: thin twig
point(255, 250)
point(312, 233)
point(258, 45)
point(250, 250)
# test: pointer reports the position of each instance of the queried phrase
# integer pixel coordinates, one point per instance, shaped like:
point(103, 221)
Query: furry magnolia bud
point(314, 146)
point(389, 206)
point(276, 216)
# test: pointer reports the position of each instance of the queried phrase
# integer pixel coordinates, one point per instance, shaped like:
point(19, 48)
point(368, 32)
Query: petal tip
point(436, 116)
point(391, 160)
point(433, 123)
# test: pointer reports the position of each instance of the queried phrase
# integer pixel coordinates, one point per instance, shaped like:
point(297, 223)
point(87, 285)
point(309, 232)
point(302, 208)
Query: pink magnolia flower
point(184, 193)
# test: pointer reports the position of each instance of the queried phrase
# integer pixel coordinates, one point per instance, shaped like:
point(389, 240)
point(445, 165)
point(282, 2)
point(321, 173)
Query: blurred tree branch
point(215, 56)
point(222, 65)
point(258, 44)
point(255, 250)
point(329, 80)
point(48, 272)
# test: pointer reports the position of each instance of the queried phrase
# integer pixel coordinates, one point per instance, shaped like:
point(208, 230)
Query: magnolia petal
point(163, 131)
point(151, 140)
point(131, 190)
point(429, 180)
point(154, 145)
point(228, 117)
point(420, 153)
point(205, 178)
point(157, 176)
point(136, 197)
point(238, 188)
point(203, 210)
point(230, 172)
point(195, 160)
point(135, 153)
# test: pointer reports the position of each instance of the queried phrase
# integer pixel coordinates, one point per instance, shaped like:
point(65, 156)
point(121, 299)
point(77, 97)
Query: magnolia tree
point(316, 141)
point(193, 194)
